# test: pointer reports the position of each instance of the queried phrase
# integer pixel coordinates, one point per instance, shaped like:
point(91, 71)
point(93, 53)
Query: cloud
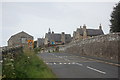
point(35, 18)
point(60, 0)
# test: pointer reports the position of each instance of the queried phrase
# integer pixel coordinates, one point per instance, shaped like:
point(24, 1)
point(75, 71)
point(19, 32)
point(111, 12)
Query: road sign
point(30, 43)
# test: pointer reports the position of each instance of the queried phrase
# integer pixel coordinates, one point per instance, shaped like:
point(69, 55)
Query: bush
point(36, 50)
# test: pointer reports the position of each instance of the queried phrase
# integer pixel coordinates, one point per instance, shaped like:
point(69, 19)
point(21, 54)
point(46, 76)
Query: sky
point(36, 18)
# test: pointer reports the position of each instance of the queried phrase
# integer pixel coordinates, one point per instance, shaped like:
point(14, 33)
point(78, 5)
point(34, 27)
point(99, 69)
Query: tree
point(115, 19)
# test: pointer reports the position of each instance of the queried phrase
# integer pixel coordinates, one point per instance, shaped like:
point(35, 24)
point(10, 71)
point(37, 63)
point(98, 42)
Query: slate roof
point(23, 33)
point(94, 32)
point(19, 34)
point(91, 32)
point(57, 37)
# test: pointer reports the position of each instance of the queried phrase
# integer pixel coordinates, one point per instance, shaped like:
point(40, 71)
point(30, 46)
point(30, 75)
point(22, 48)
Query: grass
point(33, 66)
point(28, 65)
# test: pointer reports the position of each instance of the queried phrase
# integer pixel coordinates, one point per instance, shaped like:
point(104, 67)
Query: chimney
point(84, 32)
point(63, 32)
point(84, 26)
point(52, 32)
point(63, 37)
point(49, 31)
point(100, 27)
point(80, 27)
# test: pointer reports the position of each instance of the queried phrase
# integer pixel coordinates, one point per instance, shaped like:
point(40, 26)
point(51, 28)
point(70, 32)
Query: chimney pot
point(80, 27)
point(84, 26)
point(63, 32)
point(100, 27)
point(52, 32)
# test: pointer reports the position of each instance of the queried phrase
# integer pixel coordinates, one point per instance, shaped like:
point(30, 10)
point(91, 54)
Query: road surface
point(66, 65)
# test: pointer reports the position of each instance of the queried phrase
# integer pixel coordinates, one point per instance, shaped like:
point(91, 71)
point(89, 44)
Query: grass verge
point(27, 65)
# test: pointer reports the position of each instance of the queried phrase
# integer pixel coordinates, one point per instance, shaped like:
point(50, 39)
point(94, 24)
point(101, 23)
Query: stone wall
point(104, 46)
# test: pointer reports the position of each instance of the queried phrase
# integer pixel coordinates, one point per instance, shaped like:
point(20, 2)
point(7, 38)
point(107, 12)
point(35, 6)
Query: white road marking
point(96, 70)
point(61, 57)
point(79, 64)
point(68, 63)
point(73, 63)
point(65, 63)
point(65, 60)
point(49, 63)
point(60, 63)
point(54, 63)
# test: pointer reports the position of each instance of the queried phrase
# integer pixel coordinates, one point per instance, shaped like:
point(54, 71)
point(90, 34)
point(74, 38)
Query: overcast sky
point(36, 18)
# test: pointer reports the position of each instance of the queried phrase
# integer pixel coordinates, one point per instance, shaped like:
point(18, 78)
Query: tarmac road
point(66, 65)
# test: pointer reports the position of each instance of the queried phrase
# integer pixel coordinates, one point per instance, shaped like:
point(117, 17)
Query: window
point(23, 40)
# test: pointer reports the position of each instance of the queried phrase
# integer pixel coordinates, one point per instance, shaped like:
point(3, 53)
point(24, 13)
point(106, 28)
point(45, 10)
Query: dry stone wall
point(104, 46)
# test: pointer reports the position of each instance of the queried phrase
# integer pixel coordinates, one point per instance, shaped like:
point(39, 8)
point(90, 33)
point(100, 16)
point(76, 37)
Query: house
point(20, 39)
point(82, 33)
point(52, 38)
point(40, 42)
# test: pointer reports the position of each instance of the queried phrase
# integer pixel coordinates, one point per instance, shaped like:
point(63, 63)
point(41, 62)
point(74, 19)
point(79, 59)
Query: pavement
point(66, 65)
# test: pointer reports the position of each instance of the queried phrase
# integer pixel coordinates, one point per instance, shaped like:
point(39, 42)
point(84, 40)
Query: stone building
point(40, 42)
point(82, 33)
point(56, 38)
point(20, 39)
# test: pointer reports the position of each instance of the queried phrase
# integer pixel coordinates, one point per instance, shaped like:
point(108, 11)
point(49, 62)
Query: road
point(66, 65)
